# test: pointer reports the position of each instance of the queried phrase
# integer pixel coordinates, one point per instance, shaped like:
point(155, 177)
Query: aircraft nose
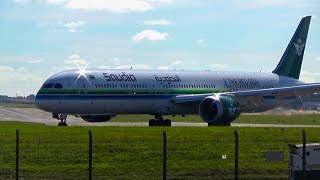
point(39, 102)
point(36, 100)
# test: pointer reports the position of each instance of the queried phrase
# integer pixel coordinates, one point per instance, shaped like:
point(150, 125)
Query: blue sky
point(42, 37)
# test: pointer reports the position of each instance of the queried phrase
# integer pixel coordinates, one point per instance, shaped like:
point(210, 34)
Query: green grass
point(304, 119)
point(48, 152)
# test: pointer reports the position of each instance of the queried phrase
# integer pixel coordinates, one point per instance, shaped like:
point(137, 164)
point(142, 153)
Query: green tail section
point(291, 60)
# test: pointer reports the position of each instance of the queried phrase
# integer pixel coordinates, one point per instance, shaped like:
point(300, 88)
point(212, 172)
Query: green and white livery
point(218, 97)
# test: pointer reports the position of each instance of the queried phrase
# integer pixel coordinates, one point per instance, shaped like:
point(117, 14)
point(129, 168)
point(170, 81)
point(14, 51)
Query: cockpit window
point(58, 86)
point(49, 85)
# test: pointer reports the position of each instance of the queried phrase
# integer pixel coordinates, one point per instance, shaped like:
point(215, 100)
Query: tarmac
point(34, 115)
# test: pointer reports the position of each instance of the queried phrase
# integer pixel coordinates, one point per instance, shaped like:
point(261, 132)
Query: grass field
point(304, 119)
point(136, 152)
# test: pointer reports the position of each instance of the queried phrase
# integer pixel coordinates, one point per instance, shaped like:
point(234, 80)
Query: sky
point(39, 38)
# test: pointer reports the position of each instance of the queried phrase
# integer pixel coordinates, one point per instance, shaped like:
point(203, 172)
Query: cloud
point(20, 81)
point(163, 68)
point(22, 1)
point(150, 35)
point(116, 61)
point(75, 59)
point(310, 77)
point(177, 62)
point(218, 66)
point(104, 67)
point(6, 69)
point(74, 25)
point(201, 41)
point(273, 3)
point(118, 6)
point(34, 61)
point(161, 1)
point(71, 26)
point(160, 22)
point(111, 5)
point(55, 1)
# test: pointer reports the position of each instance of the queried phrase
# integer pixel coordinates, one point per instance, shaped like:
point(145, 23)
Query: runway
point(34, 115)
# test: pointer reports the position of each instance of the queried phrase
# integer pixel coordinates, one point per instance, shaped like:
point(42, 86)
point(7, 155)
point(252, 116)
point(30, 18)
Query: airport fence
point(146, 155)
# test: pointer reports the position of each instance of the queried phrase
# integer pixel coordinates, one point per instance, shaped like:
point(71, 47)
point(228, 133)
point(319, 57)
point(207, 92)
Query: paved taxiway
point(37, 116)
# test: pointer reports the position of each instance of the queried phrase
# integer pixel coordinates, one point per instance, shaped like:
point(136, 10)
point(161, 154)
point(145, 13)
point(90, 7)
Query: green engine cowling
point(219, 109)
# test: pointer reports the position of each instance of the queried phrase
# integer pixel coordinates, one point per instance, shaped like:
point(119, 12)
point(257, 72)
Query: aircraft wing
point(256, 96)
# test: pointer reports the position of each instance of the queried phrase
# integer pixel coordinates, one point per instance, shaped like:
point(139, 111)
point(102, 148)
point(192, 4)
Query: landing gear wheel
point(159, 121)
point(62, 117)
point(62, 123)
point(167, 122)
point(152, 122)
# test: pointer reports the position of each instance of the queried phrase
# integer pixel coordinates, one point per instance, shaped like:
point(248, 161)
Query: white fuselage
point(111, 92)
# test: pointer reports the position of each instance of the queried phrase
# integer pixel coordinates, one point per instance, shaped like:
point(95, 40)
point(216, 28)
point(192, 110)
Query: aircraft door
point(82, 86)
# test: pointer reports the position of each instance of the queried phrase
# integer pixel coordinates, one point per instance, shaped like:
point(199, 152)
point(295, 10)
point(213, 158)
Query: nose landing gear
point(62, 118)
point(159, 121)
point(62, 123)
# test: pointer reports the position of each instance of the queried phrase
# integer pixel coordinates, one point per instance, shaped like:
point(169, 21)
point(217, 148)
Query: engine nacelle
point(219, 110)
point(96, 118)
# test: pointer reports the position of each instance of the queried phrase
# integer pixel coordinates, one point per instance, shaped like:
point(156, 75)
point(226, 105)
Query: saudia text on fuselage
point(119, 77)
point(130, 77)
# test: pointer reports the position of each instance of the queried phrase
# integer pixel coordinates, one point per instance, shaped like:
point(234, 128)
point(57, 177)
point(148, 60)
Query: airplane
point(97, 95)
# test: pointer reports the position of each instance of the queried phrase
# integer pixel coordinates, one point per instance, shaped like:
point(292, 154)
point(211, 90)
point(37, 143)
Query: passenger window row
point(207, 86)
point(121, 86)
point(267, 86)
point(203, 86)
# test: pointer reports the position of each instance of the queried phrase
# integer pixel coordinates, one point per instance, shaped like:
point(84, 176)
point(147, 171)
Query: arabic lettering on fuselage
point(241, 83)
point(168, 79)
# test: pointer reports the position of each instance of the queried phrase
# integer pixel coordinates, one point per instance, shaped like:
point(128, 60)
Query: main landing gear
point(62, 118)
point(159, 121)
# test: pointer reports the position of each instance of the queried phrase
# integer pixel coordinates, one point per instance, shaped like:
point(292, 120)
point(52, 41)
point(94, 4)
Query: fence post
point(304, 154)
point(17, 153)
point(236, 154)
point(90, 155)
point(164, 155)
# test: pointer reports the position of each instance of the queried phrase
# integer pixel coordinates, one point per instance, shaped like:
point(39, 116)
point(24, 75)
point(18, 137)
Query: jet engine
point(219, 110)
point(96, 118)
